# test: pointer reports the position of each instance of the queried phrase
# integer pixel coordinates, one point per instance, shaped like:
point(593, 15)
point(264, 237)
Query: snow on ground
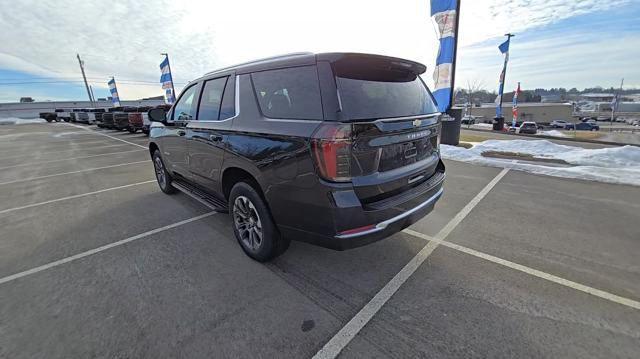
point(482, 126)
point(20, 121)
point(611, 165)
point(553, 133)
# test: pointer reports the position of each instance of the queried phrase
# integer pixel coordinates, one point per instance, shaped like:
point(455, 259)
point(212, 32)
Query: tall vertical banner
point(166, 80)
point(504, 48)
point(514, 109)
point(115, 99)
point(445, 13)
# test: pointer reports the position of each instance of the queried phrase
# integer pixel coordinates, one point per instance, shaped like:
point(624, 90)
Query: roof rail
point(293, 54)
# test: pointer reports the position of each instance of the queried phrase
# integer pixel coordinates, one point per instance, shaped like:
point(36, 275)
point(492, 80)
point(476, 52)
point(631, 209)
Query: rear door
point(174, 144)
point(206, 136)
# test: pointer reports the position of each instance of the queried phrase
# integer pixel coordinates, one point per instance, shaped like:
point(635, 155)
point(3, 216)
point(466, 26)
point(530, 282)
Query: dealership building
point(542, 112)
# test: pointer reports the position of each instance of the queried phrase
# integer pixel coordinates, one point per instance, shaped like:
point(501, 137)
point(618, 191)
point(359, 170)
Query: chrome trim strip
point(384, 224)
point(391, 119)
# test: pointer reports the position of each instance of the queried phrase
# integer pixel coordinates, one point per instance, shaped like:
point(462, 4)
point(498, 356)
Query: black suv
point(336, 149)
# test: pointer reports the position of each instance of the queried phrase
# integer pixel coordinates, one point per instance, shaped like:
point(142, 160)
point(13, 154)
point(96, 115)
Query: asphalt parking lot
point(95, 261)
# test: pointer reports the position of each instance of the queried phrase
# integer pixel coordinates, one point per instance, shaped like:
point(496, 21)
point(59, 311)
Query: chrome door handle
point(215, 138)
point(181, 132)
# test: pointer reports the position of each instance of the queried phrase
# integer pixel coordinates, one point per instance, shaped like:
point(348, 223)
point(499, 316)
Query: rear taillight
point(331, 147)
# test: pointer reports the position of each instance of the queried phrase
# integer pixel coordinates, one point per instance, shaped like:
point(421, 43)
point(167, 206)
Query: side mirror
point(157, 115)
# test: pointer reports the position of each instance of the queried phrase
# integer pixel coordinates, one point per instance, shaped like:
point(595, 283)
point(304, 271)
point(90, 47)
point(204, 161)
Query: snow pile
point(553, 133)
point(20, 121)
point(611, 165)
point(482, 126)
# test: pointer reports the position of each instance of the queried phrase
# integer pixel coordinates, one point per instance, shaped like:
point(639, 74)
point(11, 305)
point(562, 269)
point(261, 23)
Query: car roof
point(306, 58)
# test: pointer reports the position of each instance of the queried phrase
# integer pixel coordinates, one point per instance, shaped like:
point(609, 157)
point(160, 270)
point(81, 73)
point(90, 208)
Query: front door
point(206, 136)
point(174, 139)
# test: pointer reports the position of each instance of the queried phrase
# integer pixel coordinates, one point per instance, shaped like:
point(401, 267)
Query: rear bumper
point(375, 224)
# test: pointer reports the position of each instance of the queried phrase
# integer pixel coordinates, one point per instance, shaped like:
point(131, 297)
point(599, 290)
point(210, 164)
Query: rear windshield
point(383, 94)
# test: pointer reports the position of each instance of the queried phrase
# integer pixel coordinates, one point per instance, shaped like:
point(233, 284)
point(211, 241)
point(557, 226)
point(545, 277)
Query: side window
point(289, 93)
point(185, 110)
point(228, 107)
point(211, 99)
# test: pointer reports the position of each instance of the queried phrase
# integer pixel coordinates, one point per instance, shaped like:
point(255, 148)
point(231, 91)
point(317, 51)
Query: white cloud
point(126, 38)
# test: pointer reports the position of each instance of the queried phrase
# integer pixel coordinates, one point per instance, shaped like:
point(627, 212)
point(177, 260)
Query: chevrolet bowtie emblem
point(417, 123)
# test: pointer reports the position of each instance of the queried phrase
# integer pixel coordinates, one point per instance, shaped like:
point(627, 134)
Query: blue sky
point(572, 43)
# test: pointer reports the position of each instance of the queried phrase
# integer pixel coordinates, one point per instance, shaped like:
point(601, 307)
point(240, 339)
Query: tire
point(162, 176)
point(132, 130)
point(262, 240)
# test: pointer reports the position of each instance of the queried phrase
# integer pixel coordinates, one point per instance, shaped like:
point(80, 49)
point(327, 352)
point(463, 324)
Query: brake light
point(331, 148)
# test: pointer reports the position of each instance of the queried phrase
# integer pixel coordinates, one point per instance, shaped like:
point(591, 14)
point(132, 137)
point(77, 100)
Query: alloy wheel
point(247, 223)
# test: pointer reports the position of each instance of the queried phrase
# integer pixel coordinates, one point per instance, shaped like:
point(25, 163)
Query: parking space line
point(73, 197)
point(68, 159)
point(58, 152)
point(340, 340)
point(72, 172)
point(104, 134)
point(100, 249)
point(534, 272)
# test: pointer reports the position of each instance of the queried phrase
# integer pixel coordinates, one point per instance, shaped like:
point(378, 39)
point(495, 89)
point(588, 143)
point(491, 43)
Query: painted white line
point(73, 197)
point(339, 341)
point(534, 272)
point(104, 134)
point(72, 172)
point(68, 159)
point(100, 249)
point(58, 152)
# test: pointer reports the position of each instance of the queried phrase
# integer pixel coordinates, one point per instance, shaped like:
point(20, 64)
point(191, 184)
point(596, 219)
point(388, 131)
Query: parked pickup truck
point(274, 143)
point(107, 117)
point(49, 116)
point(121, 119)
point(93, 114)
point(62, 114)
point(138, 118)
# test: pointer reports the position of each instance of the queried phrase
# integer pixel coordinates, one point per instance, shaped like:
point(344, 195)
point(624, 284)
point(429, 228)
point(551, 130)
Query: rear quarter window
point(291, 93)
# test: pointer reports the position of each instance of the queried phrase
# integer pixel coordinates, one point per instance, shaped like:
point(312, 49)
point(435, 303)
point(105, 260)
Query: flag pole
point(613, 108)
point(504, 77)
point(455, 54)
point(173, 89)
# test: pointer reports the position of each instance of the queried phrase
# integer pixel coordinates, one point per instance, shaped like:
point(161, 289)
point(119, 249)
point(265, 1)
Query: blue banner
point(444, 14)
point(115, 98)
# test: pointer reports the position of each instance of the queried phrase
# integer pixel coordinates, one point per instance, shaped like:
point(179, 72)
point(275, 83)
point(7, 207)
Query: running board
point(200, 196)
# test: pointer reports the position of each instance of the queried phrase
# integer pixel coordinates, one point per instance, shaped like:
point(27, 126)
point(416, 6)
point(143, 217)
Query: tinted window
point(211, 99)
point(383, 98)
point(289, 93)
point(185, 108)
point(228, 107)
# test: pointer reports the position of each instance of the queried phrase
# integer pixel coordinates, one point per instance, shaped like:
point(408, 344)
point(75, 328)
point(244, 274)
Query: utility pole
point(173, 88)
point(85, 79)
point(615, 104)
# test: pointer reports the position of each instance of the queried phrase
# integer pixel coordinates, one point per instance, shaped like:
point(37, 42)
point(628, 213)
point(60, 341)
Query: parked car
point(583, 126)
point(62, 114)
point(121, 118)
point(137, 118)
point(528, 127)
point(107, 117)
point(469, 120)
point(271, 140)
point(558, 123)
point(93, 114)
point(49, 116)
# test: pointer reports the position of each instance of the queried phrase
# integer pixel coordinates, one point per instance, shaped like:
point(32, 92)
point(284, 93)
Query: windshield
point(370, 99)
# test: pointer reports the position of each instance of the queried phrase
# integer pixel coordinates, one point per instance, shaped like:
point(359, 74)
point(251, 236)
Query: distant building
point(598, 97)
point(32, 109)
point(527, 111)
point(26, 99)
